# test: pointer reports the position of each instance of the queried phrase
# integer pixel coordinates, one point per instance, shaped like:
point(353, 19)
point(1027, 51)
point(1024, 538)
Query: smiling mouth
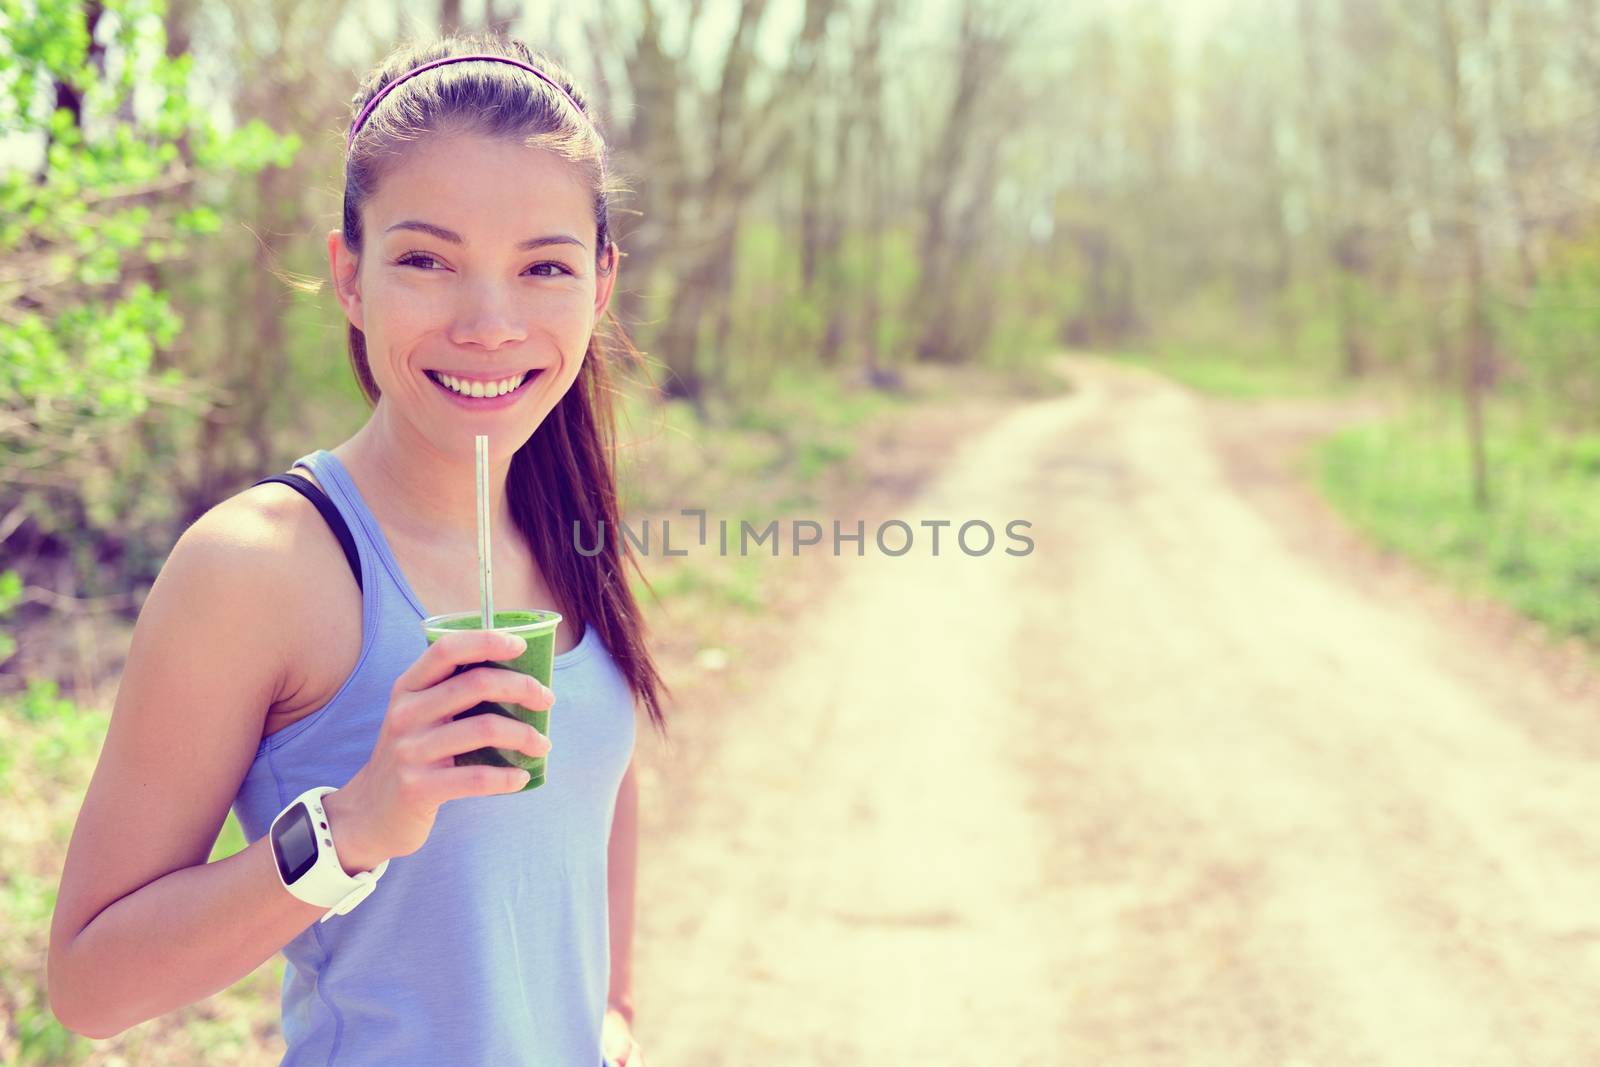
point(470, 390)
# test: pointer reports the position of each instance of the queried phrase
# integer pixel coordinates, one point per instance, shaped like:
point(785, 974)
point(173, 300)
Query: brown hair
point(564, 473)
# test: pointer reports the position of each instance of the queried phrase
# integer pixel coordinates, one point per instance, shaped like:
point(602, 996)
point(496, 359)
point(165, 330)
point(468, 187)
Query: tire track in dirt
point(1172, 789)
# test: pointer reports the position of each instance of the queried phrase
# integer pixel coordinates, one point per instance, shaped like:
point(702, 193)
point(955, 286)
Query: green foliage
point(42, 702)
point(1231, 373)
point(40, 1038)
point(1020, 336)
point(1537, 547)
point(81, 325)
point(127, 185)
point(1550, 335)
point(676, 580)
point(60, 734)
point(802, 403)
point(781, 324)
point(1215, 341)
point(223, 1040)
point(90, 365)
point(47, 747)
point(10, 597)
point(230, 840)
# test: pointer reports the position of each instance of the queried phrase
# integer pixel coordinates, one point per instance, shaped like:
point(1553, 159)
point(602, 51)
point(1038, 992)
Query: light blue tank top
point(490, 943)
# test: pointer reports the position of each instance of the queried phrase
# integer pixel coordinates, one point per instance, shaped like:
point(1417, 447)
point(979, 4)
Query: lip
point(485, 403)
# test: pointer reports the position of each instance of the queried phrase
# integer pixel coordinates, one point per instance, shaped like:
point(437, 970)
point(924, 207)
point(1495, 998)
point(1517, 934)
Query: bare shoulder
point(255, 544)
point(282, 538)
point(323, 638)
point(269, 551)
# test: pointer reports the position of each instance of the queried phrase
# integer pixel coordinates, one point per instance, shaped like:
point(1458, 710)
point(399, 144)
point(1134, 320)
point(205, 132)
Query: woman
point(279, 654)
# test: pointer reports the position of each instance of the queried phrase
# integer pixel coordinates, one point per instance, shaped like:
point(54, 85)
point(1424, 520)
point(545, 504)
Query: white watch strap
point(326, 883)
point(368, 880)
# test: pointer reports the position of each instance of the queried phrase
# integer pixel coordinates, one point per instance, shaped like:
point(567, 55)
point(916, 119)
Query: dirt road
point(1195, 782)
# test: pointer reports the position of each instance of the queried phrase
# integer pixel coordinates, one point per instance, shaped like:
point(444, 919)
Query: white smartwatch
point(308, 866)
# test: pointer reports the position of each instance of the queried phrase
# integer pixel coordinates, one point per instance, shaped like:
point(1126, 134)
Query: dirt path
point(1196, 782)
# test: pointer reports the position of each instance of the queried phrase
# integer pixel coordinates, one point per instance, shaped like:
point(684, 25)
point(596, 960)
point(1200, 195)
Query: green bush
point(1537, 547)
point(118, 194)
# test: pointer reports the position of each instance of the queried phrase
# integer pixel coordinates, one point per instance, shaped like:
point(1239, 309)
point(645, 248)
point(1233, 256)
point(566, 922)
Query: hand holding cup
point(430, 733)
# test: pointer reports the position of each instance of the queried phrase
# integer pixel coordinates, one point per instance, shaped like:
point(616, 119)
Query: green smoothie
point(538, 628)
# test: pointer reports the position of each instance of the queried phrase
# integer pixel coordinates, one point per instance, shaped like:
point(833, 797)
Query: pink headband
point(362, 118)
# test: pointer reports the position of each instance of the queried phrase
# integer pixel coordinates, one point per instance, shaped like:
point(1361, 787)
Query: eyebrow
point(455, 238)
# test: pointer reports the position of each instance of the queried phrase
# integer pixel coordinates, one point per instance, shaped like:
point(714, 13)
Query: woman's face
point(478, 265)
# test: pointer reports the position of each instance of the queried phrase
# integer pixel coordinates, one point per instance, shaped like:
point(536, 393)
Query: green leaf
point(10, 590)
point(201, 219)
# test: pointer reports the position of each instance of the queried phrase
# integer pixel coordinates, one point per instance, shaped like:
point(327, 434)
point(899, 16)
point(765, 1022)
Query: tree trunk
point(1476, 359)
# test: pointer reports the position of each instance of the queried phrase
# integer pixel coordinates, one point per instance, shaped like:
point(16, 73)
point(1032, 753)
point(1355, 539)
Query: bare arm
point(622, 861)
point(178, 940)
point(143, 924)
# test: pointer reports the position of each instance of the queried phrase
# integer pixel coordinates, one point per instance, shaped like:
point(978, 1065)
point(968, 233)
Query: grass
point(1407, 485)
point(1219, 373)
point(47, 745)
point(48, 749)
point(1536, 547)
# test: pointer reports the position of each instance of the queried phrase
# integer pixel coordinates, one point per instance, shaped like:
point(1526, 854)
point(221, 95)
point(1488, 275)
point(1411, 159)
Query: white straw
point(485, 572)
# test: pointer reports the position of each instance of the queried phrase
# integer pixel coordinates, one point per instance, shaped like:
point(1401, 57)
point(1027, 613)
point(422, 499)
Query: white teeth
point(481, 389)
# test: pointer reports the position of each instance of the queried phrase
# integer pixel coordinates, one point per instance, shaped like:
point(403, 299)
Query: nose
point(487, 318)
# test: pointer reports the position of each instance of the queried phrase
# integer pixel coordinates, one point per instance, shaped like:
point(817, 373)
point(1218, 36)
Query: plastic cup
point(538, 628)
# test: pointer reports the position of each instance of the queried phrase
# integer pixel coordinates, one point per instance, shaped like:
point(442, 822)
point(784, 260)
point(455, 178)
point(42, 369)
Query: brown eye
point(410, 259)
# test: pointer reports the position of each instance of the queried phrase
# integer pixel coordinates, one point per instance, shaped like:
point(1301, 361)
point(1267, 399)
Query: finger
point(454, 650)
point(470, 688)
point(480, 731)
point(473, 780)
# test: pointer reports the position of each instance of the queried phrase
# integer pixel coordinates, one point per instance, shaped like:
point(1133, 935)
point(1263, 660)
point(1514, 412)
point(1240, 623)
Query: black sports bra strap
point(330, 513)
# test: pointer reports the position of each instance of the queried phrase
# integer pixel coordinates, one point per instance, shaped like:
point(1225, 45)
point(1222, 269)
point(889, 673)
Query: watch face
point(294, 843)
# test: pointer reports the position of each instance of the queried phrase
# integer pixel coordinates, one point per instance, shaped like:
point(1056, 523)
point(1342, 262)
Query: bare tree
point(967, 138)
point(1467, 208)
